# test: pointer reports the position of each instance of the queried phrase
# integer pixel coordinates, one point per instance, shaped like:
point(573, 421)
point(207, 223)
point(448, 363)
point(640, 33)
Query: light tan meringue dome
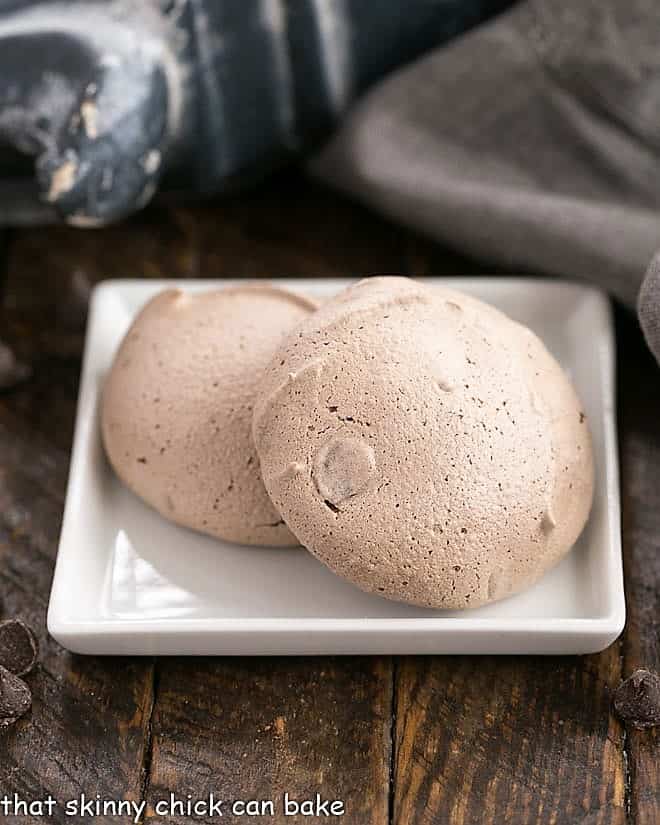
point(177, 407)
point(423, 445)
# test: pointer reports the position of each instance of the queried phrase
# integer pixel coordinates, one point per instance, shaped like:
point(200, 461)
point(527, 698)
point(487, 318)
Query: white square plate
point(128, 582)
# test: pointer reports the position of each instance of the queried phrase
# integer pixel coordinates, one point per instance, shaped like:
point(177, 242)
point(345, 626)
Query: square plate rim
point(606, 627)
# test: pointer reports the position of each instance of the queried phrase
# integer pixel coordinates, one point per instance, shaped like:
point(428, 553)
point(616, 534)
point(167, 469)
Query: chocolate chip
point(18, 647)
point(15, 698)
point(637, 700)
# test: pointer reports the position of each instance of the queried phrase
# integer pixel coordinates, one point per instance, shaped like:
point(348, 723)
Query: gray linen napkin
point(648, 306)
point(533, 141)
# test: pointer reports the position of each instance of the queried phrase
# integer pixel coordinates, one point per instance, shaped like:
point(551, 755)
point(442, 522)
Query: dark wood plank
point(87, 729)
point(515, 740)
point(294, 228)
point(257, 728)
point(424, 257)
point(639, 415)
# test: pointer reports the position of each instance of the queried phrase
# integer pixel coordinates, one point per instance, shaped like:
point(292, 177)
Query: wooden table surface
point(405, 740)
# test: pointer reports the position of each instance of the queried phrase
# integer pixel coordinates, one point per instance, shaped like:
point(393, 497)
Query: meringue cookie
point(423, 445)
point(177, 407)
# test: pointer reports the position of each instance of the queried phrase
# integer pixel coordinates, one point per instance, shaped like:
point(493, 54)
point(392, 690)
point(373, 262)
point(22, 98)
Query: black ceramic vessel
point(104, 102)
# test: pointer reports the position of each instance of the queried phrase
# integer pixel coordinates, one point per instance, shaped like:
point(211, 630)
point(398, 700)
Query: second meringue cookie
point(177, 407)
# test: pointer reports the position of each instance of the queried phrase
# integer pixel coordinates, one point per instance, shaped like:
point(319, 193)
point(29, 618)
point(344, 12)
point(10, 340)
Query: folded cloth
point(648, 306)
point(531, 142)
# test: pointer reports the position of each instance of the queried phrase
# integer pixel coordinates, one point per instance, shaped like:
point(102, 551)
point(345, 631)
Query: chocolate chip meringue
point(423, 445)
point(177, 407)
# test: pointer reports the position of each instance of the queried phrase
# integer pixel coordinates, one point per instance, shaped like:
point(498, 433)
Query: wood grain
point(515, 740)
point(257, 728)
point(86, 732)
point(639, 411)
point(293, 228)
